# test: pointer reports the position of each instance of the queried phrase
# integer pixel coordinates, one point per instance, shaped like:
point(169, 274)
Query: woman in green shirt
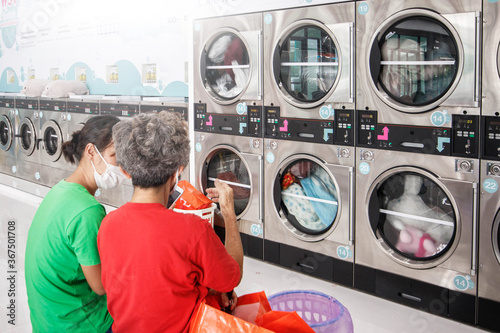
point(63, 268)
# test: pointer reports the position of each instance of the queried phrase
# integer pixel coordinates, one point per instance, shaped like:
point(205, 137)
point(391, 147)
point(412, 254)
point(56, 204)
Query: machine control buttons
point(366, 155)
point(494, 169)
point(464, 165)
point(254, 143)
point(273, 145)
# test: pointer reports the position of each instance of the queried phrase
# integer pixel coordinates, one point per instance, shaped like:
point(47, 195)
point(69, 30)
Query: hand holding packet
point(191, 198)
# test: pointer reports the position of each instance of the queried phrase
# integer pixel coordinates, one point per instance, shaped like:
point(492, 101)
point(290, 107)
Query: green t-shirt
point(63, 236)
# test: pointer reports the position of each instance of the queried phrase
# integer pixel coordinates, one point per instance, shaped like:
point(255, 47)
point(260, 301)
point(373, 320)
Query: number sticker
point(363, 8)
point(198, 147)
point(344, 252)
point(268, 19)
point(364, 168)
point(490, 185)
point(463, 282)
point(270, 157)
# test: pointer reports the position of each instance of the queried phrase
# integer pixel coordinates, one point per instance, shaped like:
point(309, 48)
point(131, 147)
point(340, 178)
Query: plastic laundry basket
point(322, 312)
point(207, 213)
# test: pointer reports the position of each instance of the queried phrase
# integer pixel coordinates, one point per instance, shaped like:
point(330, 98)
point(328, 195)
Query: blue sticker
point(198, 147)
point(270, 157)
point(364, 168)
point(326, 111)
point(490, 185)
point(40, 114)
point(197, 26)
point(363, 8)
point(241, 108)
point(268, 19)
point(344, 252)
point(439, 118)
point(463, 282)
point(492, 1)
point(256, 229)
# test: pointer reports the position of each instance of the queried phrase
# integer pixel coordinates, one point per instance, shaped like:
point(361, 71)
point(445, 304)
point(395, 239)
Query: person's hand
point(226, 302)
point(223, 194)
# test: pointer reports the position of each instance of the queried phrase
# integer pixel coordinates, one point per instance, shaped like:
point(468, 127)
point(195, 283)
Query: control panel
point(310, 130)
point(154, 108)
point(120, 109)
point(83, 107)
point(465, 141)
point(7, 102)
point(245, 124)
point(27, 103)
point(57, 105)
point(491, 138)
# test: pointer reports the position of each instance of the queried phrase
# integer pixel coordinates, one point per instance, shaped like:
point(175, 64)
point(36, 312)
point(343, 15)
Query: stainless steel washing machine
point(418, 62)
point(491, 59)
point(122, 109)
point(52, 134)
point(181, 108)
point(228, 63)
point(309, 199)
point(8, 124)
point(416, 229)
point(229, 148)
point(309, 61)
point(489, 247)
point(28, 153)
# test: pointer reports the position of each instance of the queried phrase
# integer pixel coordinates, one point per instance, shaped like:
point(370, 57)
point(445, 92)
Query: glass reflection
point(51, 141)
point(309, 64)
point(419, 61)
point(26, 137)
point(309, 197)
point(228, 167)
point(416, 217)
point(4, 133)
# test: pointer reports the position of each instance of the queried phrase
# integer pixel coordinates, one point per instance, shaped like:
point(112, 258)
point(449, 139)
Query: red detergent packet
point(191, 198)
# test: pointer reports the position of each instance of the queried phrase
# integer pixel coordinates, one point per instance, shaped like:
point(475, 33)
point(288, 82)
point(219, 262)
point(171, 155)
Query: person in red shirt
point(158, 265)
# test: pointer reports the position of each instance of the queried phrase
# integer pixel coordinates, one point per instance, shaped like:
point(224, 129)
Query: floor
point(368, 313)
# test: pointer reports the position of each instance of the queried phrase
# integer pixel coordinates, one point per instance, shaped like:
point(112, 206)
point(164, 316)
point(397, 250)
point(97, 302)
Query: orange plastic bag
point(191, 198)
point(208, 319)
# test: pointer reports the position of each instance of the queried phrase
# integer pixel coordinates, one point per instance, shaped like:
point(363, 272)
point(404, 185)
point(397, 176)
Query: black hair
point(97, 130)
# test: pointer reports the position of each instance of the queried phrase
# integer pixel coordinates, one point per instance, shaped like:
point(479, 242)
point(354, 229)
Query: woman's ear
point(125, 173)
point(89, 150)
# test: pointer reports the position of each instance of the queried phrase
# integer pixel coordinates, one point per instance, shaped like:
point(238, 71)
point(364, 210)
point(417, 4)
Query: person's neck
point(84, 178)
point(151, 195)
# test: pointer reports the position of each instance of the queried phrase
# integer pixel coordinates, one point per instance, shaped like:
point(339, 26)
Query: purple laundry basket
point(322, 312)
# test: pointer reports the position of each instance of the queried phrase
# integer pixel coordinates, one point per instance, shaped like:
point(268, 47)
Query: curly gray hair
point(151, 147)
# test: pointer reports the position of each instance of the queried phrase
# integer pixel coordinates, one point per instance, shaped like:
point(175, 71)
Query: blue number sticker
point(197, 26)
point(344, 252)
point(241, 108)
point(492, 1)
point(363, 8)
point(198, 147)
point(256, 229)
point(463, 282)
point(268, 19)
point(364, 168)
point(270, 157)
point(490, 185)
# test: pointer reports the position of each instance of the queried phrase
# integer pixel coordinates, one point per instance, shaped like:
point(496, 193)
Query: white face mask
point(111, 177)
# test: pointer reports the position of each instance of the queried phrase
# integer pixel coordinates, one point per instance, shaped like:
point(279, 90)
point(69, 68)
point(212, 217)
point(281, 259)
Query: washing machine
point(418, 63)
point(228, 63)
point(180, 107)
point(123, 109)
point(309, 63)
point(417, 226)
point(8, 123)
point(489, 247)
point(229, 148)
point(28, 153)
point(309, 199)
point(52, 132)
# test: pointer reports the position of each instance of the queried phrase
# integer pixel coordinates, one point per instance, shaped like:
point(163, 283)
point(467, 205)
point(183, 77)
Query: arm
point(93, 277)
point(233, 240)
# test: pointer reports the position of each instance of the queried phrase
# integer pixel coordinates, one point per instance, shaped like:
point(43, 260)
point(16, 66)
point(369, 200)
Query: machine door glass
point(418, 61)
point(307, 195)
point(27, 136)
point(225, 66)
point(6, 133)
point(413, 215)
point(52, 139)
point(309, 64)
point(229, 167)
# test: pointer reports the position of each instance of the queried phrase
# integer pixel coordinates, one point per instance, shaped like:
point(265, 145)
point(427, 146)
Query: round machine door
point(413, 217)
point(225, 164)
point(27, 136)
point(306, 64)
point(305, 194)
point(6, 133)
point(225, 66)
point(495, 234)
point(52, 140)
point(415, 61)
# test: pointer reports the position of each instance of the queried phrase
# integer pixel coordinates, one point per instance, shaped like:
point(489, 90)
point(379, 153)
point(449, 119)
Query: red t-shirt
point(157, 265)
